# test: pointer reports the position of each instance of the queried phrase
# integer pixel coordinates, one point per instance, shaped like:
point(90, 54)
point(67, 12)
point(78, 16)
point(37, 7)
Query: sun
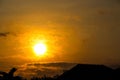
point(40, 49)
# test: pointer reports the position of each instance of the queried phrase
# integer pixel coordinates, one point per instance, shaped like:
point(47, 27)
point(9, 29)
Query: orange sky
point(83, 31)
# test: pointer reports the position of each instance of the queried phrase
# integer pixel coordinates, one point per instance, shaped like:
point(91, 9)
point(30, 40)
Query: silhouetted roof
point(85, 71)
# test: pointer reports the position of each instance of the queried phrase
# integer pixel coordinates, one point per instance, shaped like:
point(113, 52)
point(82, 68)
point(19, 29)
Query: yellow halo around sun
point(40, 49)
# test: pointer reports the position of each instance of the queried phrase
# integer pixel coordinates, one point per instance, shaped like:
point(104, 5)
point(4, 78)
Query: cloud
point(61, 64)
point(41, 69)
point(4, 34)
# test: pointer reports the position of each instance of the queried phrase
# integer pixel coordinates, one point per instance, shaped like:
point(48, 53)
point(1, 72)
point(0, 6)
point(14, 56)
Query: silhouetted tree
point(9, 75)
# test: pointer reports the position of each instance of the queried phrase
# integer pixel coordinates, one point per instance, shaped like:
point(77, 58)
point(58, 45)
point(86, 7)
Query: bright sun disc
point(40, 49)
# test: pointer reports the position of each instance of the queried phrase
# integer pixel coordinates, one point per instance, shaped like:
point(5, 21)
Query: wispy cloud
point(4, 34)
point(41, 69)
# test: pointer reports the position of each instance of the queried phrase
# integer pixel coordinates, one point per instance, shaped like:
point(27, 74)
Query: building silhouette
point(88, 72)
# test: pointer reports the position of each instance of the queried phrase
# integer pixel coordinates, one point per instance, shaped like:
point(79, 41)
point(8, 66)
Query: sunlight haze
point(74, 31)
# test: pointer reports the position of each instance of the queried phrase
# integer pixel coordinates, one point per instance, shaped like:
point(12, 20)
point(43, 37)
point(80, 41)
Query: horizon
point(30, 70)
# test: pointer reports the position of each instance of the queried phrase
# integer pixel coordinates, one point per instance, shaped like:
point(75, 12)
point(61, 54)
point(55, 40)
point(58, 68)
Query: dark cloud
point(41, 69)
point(4, 34)
point(65, 65)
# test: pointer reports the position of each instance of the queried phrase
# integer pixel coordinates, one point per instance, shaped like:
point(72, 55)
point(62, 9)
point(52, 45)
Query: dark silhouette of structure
point(117, 74)
point(88, 72)
point(79, 72)
point(9, 75)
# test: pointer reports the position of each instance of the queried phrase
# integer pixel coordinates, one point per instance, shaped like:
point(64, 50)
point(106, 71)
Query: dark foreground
point(79, 72)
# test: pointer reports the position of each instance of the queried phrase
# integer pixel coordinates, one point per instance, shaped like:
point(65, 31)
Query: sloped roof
point(85, 71)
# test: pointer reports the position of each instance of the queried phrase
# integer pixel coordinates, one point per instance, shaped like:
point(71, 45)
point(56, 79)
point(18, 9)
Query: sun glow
point(40, 49)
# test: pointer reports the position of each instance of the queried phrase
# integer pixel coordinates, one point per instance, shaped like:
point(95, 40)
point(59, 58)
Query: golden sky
point(81, 31)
